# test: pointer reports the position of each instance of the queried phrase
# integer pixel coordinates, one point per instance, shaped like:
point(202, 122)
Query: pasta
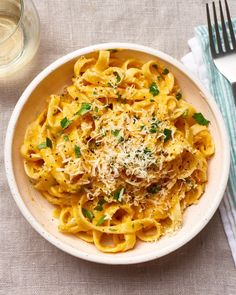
point(120, 153)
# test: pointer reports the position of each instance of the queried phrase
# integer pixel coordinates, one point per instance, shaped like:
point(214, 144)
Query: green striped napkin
point(221, 91)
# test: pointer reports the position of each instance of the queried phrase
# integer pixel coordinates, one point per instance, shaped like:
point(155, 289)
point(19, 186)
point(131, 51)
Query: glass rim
point(18, 23)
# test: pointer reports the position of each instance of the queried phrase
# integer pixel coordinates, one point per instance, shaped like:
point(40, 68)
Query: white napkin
point(194, 63)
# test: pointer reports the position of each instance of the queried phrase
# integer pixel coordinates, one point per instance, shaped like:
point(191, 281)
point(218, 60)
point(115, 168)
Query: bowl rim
point(109, 258)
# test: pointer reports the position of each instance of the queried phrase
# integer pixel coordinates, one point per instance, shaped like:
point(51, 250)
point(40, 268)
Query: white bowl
point(38, 211)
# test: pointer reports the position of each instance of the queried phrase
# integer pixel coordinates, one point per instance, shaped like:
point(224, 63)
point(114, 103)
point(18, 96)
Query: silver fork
point(222, 50)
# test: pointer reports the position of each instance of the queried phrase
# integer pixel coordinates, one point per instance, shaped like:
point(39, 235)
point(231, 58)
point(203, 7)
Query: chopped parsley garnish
point(153, 130)
point(165, 71)
point(142, 127)
point(46, 144)
point(153, 89)
point(88, 214)
point(101, 220)
point(109, 84)
point(115, 132)
point(118, 194)
point(94, 92)
point(77, 151)
point(100, 204)
point(147, 150)
point(155, 66)
point(154, 126)
point(66, 137)
point(167, 134)
point(152, 100)
point(121, 139)
point(85, 107)
point(112, 229)
point(159, 78)
point(154, 188)
point(96, 109)
point(42, 145)
point(98, 208)
point(178, 96)
point(65, 123)
point(118, 78)
point(199, 118)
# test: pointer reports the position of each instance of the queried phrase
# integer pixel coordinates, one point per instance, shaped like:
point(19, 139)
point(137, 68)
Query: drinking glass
point(19, 34)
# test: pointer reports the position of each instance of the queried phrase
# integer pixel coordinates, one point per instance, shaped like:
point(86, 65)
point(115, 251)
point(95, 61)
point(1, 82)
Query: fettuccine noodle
point(120, 153)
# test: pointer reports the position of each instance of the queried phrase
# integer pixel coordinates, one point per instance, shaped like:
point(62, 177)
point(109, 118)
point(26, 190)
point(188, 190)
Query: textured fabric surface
point(200, 62)
point(222, 92)
point(29, 265)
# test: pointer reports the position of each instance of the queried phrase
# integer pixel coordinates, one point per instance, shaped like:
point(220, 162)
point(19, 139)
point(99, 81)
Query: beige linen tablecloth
point(30, 265)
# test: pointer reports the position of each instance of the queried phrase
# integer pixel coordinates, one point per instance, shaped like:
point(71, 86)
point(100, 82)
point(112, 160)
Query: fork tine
point(230, 25)
point(225, 35)
point(217, 29)
point(212, 46)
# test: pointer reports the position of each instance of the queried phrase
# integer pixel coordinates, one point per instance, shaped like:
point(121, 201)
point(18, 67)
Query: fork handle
point(234, 90)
